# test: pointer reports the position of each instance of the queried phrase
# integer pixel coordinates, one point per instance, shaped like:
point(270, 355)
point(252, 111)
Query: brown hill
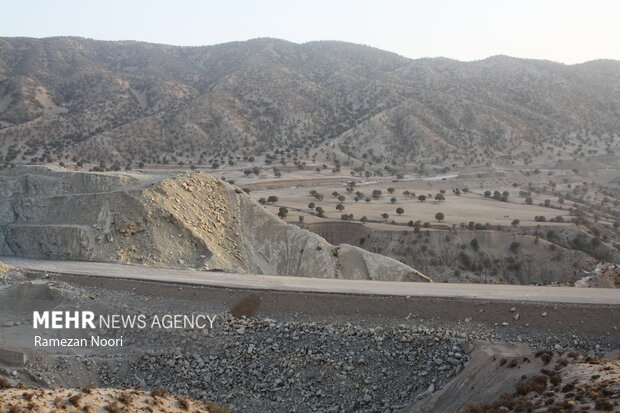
point(130, 102)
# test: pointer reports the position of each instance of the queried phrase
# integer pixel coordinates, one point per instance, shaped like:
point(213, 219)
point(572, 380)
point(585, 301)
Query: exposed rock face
point(194, 221)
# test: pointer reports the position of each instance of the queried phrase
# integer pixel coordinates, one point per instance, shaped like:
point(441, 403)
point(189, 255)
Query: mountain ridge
point(125, 102)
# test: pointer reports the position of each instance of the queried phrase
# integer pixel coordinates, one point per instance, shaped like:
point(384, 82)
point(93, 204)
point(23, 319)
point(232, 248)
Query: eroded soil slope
point(192, 220)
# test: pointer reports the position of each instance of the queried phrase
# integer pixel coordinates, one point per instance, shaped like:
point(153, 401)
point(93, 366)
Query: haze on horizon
point(567, 31)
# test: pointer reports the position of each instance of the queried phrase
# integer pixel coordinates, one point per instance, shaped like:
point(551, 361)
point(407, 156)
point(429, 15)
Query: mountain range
point(128, 102)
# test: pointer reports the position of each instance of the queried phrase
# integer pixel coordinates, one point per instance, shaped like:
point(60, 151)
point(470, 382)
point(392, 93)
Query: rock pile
point(251, 364)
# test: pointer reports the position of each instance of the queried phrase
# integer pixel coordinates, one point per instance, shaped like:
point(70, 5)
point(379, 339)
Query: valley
point(367, 232)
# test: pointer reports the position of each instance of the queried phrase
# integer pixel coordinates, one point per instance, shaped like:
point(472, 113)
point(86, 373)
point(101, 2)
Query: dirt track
point(592, 311)
point(320, 285)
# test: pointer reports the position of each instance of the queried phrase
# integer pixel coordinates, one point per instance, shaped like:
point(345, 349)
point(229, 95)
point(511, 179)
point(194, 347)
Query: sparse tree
point(514, 247)
point(283, 212)
point(393, 200)
point(439, 216)
point(400, 211)
point(385, 216)
point(422, 198)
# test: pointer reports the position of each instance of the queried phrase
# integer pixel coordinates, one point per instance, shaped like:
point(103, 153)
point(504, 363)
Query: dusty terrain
point(325, 160)
point(479, 238)
point(513, 378)
point(186, 221)
point(98, 400)
point(282, 351)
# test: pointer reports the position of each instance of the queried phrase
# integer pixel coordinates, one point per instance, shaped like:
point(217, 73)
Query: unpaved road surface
point(316, 285)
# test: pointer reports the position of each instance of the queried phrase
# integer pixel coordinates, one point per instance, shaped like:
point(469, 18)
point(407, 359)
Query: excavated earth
point(181, 221)
point(259, 358)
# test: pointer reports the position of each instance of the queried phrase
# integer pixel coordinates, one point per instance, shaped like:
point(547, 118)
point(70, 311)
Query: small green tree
point(283, 212)
point(340, 207)
point(363, 220)
point(422, 198)
point(400, 211)
point(514, 247)
point(439, 216)
point(311, 205)
point(393, 200)
point(385, 216)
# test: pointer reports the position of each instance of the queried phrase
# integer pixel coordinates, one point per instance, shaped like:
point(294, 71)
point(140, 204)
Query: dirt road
point(315, 285)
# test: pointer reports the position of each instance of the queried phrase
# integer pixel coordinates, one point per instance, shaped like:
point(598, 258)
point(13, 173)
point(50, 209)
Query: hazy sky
point(568, 31)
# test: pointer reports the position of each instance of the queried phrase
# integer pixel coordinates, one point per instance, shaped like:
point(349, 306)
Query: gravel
point(288, 363)
point(257, 365)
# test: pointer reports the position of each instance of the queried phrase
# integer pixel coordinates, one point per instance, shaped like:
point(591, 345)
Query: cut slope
point(194, 221)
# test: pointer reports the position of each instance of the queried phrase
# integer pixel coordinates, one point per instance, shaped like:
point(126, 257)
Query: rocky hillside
point(184, 221)
point(512, 256)
point(118, 103)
